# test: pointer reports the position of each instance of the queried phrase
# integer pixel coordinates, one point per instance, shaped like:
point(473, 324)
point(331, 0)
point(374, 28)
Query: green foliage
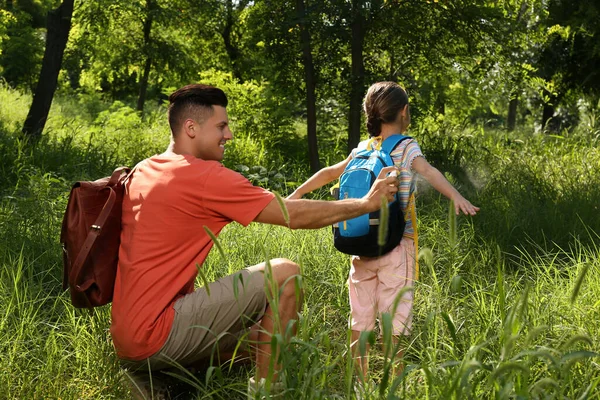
point(264, 132)
point(85, 106)
point(5, 18)
point(260, 176)
point(253, 111)
point(572, 52)
point(462, 60)
point(21, 48)
point(14, 109)
point(107, 48)
point(551, 175)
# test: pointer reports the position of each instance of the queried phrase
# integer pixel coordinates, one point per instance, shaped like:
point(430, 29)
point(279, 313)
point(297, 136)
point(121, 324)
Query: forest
point(505, 101)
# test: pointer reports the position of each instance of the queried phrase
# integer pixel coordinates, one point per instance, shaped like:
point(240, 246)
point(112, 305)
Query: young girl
point(374, 282)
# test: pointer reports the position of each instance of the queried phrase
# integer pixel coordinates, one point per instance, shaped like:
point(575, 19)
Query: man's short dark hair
point(192, 101)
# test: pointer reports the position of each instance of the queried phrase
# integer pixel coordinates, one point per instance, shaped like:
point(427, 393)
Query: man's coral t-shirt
point(167, 204)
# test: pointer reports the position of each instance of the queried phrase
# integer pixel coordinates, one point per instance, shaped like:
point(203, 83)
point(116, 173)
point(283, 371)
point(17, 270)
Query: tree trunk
point(309, 77)
point(148, 54)
point(358, 75)
point(144, 85)
point(547, 114)
point(439, 103)
point(511, 120)
point(58, 27)
point(393, 75)
point(232, 51)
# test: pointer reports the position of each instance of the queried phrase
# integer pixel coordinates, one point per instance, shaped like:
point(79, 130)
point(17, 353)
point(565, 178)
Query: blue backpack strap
point(391, 142)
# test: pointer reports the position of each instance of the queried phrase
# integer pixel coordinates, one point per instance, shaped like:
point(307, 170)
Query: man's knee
point(285, 267)
point(280, 267)
point(284, 271)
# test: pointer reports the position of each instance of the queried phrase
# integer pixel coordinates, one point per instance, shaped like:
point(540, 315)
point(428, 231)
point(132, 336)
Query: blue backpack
point(359, 236)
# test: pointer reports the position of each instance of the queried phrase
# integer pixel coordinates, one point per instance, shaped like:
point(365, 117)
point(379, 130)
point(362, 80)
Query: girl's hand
point(464, 205)
point(294, 196)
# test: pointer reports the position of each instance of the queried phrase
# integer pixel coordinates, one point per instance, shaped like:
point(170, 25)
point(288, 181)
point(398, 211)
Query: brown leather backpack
point(90, 237)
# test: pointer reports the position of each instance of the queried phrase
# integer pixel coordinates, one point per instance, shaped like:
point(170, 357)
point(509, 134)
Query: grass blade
point(452, 227)
point(284, 210)
point(215, 241)
point(579, 282)
point(203, 279)
point(384, 213)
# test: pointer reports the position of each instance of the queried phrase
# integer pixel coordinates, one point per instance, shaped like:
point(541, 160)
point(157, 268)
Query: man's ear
point(189, 128)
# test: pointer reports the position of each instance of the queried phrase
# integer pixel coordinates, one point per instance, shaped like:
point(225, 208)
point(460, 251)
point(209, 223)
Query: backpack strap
point(413, 219)
point(391, 142)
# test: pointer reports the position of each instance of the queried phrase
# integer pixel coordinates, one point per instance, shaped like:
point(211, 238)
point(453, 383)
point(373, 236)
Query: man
point(158, 319)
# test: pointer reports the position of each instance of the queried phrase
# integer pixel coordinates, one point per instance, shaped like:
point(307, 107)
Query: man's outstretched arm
point(312, 214)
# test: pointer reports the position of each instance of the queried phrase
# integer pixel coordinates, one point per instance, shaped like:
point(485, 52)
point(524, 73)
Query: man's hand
point(312, 214)
point(384, 186)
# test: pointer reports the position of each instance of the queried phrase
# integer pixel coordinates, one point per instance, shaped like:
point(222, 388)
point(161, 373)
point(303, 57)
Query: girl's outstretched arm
point(441, 184)
point(319, 179)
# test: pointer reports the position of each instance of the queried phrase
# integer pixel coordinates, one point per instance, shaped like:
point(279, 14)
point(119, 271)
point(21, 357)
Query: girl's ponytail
point(383, 102)
point(373, 125)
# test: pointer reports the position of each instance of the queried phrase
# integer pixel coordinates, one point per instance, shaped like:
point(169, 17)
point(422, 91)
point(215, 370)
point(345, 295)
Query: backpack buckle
point(96, 227)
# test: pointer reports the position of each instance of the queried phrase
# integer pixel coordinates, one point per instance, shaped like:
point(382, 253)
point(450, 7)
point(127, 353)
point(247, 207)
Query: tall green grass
point(507, 305)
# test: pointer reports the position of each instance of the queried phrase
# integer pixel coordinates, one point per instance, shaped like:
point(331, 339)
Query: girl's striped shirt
point(403, 156)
